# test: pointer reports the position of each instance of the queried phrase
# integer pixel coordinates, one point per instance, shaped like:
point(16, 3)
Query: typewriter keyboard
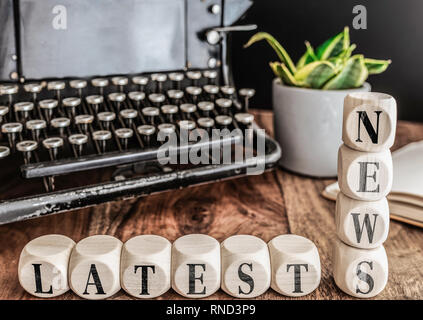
point(59, 127)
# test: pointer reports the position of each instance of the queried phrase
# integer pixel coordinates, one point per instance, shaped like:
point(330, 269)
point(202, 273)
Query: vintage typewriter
point(88, 85)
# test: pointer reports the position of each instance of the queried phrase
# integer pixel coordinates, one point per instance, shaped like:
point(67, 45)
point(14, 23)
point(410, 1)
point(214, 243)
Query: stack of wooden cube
point(365, 179)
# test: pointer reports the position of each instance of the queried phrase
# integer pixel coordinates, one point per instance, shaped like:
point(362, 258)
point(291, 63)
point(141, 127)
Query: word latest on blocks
point(365, 179)
point(147, 266)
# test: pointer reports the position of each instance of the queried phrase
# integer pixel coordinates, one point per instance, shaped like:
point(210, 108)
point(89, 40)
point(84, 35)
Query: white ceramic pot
point(308, 127)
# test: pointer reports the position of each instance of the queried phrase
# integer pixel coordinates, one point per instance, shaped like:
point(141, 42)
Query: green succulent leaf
point(283, 73)
point(308, 57)
point(376, 66)
point(315, 74)
point(334, 46)
point(280, 51)
point(352, 75)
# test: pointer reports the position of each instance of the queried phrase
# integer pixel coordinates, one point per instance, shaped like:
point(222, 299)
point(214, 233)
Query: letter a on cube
point(369, 121)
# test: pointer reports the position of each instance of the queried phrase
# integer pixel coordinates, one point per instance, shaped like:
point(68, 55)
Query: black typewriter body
point(87, 86)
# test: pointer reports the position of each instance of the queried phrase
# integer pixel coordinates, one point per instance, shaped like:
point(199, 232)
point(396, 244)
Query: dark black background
point(394, 31)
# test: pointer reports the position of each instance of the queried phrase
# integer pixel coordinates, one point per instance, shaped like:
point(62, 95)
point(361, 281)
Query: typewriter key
point(246, 94)
point(128, 116)
point(34, 88)
point(165, 129)
point(117, 98)
point(35, 126)
point(22, 110)
point(228, 91)
point(124, 134)
point(57, 86)
point(83, 121)
point(187, 125)
point(78, 85)
point(120, 82)
point(188, 109)
point(146, 131)
point(175, 96)
point(211, 75)
point(194, 92)
point(244, 118)
point(48, 106)
point(136, 97)
point(106, 118)
point(3, 112)
point(206, 124)
point(100, 83)
point(4, 152)
point(140, 81)
point(52, 145)
point(10, 90)
point(223, 121)
point(224, 105)
point(169, 110)
point(151, 113)
point(95, 101)
point(156, 98)
point(70, 104)
point(176, 78)
point(206, 107)
point(159, 79)
point(212, 90)
point(194, 76)
point(11, 129)
point(78, 141)
point(26, 147)
point(102, 136)
point(60, 124)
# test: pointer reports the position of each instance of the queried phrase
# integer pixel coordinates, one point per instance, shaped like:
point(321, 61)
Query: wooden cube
point(361, 273)
point(295, 264)
point(94, 267)
point(43, 265)
point(364, 176)
point(369, 122)
point(362, 224)
point(196, 265)
point(145, 266)
point(245, 266)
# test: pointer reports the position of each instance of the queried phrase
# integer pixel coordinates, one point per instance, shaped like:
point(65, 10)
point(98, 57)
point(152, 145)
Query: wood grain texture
point(265, 206)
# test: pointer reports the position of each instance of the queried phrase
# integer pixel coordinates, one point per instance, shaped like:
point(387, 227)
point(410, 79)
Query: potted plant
point(308, 100)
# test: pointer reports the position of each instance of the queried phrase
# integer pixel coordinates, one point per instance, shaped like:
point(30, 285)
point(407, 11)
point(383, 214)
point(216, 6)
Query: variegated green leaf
point(376, 66)
point(315, 74)
point(308, 57)
point(283, 73)
point(334, 46)
point(280, 51)
point(352, 75)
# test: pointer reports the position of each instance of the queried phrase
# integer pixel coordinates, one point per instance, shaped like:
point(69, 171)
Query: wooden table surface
point(274, 203)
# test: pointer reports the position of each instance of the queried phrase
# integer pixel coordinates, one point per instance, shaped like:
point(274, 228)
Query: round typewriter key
point(159, 79)
point(194, 76)
point(9, 89)
point(83, 121)
point(4, 152)
point(156, 98)
point(34, 89)
point(3, 112)
point(78, 85)
point(206, 107)
point(35, 126)
point(176, 78)
point(205, 122)
point(188, 109)
point(124, 134)
point(211, 90)
point(11, 129)
point(175, 95)
point(102, 136)
point(78, 141)
point(194, 92)
point(187, 125)
point(228, 91)
point(120, 82)
point(70, 104)
point(26, 147)
point(61, 124)
point(48, 106)
point(151, 113)
point(224, 105)
point(106, 118)
point(223, 121)
point(117, 98)
point(128, 116)
point(136, 97)
point(95, 101)
point(52, 145)
point(166, 129)
point(246, 94)
point(244, 118)
point(211, 75)
point(100, 83)
point(169, 110)
point(140, 81)
point(146, 131)
point(23, 109)
point(57, 86)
